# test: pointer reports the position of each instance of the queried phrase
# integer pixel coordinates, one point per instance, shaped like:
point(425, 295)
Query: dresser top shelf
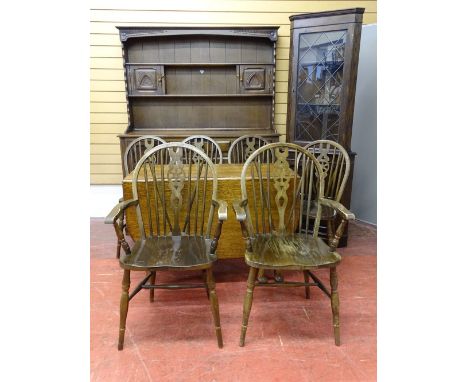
point(269, 32)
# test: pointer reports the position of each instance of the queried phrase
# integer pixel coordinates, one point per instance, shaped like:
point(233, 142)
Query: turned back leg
point(335, 304)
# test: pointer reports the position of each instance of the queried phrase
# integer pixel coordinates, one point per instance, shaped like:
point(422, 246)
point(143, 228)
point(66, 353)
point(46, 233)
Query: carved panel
point(256, 79)
point(145, 79)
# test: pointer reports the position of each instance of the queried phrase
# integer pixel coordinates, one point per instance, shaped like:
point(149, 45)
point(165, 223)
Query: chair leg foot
point(248, 303)
point(214, 305)
point(335, 305)
point(124, 299)
point(152, 281)
point(307, 288)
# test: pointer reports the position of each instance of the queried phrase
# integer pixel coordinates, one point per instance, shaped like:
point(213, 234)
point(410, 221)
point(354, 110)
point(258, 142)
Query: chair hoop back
point(244, 146)
point(176, 185)
point(335, 163)
point(137, 148)
point(207, 145)
point(279, 191)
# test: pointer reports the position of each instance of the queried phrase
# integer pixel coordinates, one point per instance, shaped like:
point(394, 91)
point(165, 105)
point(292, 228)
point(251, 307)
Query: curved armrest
point(222, 209)
point(222, 217)
point(338, 207)
point(119, 210)
point(239, 209)
point(241, 216)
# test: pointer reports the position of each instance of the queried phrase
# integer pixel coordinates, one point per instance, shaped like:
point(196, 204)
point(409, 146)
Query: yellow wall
point(108, 107)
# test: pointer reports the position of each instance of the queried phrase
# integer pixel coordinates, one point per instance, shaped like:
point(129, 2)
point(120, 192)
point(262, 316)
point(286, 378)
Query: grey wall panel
point(364, 140)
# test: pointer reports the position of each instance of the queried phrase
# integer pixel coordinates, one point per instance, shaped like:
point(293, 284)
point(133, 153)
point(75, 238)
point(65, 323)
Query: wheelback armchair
point(175, 198)
point(135, 150)
point(280, 184)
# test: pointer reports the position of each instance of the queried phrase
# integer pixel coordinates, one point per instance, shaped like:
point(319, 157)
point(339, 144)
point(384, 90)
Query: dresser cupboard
point(218, 82)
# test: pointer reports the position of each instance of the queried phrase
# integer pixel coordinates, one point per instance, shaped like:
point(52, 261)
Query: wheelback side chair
point(336, 166)
point(134, 151)
point(207, 145)
point(278, 192)
point(175, 200)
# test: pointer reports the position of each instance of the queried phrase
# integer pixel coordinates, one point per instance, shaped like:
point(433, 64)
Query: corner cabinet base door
point(256, 79)
point(145, 79)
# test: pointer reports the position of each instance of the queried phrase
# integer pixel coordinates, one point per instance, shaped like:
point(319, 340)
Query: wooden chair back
point(243, 147)
point(279, 189)
point(176, 185)
point(207, 145)
point(335, 163)
point(137, 148)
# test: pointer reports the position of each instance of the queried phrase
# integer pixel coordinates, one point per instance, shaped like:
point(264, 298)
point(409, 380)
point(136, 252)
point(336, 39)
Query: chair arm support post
point(121, 238)
point(222, 217)
point(338, 207)
point(241, 216)
point(338, 233)
point(113, 218)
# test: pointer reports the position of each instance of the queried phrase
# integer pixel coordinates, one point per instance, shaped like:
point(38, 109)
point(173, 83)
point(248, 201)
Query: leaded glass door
point(320, 64)
point(324, 56)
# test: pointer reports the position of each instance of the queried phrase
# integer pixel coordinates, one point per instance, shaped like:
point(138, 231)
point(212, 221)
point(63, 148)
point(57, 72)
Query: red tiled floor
point(289, 338)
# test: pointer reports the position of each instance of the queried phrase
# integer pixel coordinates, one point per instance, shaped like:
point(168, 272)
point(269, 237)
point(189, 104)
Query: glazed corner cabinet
point(188, 81)
point(323, 64)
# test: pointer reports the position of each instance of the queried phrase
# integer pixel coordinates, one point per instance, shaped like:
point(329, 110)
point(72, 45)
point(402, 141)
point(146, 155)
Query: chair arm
point(222, 209)
point(222, 217)
point(241, 216)
point(118, 210)
point(338, 207)
point(239, 209)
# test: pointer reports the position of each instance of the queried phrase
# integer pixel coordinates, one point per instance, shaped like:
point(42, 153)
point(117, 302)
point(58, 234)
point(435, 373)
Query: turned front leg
point(124, 299)
point(248, 303)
